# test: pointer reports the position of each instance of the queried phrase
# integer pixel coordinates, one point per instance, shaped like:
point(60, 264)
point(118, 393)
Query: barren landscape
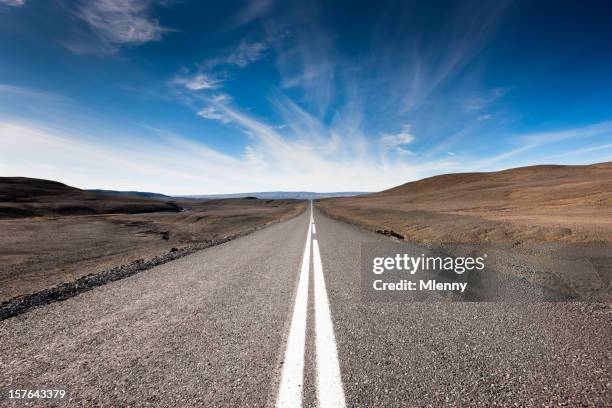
point(305, 204)
point(58, 245)
point(28, 197)
point(549, 224)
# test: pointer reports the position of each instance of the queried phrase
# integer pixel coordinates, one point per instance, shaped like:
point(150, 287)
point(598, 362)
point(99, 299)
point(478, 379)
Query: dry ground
point(543, 203)
point(38, 252)
point(549, 224)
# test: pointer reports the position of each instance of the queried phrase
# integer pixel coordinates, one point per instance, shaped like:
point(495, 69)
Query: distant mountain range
point(276, 195)
point(29, 197)
point(266, 195)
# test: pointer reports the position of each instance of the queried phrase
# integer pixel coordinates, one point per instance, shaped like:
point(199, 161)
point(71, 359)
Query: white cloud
point(397, 140)
point(535, 140)
point(483, 101)
point(173, 164)
point(578, 152)
point(404, 151)
point(210, 112)
point(426, 61)
point(306, 55)
point(304, 160)
point(253, 10)
point(482, 118)
point(221, 98)
point(32, 94)
point(541, 138)
point(118, 22)
point(13, 3)
point(247, 53)
point(196, 82)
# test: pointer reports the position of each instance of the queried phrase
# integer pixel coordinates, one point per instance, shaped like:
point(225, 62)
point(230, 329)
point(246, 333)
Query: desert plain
point(551, 225)
point(53, 233)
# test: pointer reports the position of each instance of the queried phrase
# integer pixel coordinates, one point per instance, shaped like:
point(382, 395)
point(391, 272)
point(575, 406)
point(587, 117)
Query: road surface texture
point(252, 323)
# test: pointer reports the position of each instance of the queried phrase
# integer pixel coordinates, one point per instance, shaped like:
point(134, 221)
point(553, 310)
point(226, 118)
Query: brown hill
point(28, 197)
point(534, 187)
point(549, 203)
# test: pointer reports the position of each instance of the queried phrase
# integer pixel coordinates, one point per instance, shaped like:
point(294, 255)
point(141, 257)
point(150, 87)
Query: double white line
point(329, 383)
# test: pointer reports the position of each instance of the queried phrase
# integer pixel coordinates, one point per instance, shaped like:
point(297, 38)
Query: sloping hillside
point(546, 203)
point(27, 197)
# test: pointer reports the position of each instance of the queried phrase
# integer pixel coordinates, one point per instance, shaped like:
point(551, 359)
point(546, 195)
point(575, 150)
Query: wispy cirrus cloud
point(307, 158)
point(196, 91)
point(196, 82)
point(244, 54)
point(303, 155)
point(484, 117)
point(115, 23)
point(478, 103)
point(425, 60)
point(533, 141)
point(303, 45)
point(302, 52)
point(398, 141)
point(395, 82)
point(174, 164)
point(253, 10)
point(318, 90)
point(32, 94)
point(309, 65)
point(578, 152)
point(308, 149)
point(39, 150)
point(210, 112)
point(247, 53)
point(542, 138)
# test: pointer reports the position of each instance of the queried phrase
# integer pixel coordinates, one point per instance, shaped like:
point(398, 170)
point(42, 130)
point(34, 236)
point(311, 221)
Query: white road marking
point(311, 218)
point(329, 382)
point(292, 378)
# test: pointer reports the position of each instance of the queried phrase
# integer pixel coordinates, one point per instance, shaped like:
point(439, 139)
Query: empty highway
point(277, 318)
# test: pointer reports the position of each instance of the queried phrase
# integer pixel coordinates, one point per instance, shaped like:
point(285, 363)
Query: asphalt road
point(248, 323)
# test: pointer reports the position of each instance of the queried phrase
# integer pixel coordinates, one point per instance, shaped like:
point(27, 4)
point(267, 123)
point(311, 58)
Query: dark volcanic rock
point(390, 233)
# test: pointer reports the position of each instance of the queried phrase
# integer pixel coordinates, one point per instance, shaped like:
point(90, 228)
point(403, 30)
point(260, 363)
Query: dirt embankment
point(37, 253)
point(549, 224)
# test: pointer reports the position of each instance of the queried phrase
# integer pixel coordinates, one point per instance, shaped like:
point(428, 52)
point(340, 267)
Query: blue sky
point(199, 97)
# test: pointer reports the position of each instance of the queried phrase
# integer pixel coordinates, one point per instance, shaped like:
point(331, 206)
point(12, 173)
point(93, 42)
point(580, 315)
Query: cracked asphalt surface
point(209, 330)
